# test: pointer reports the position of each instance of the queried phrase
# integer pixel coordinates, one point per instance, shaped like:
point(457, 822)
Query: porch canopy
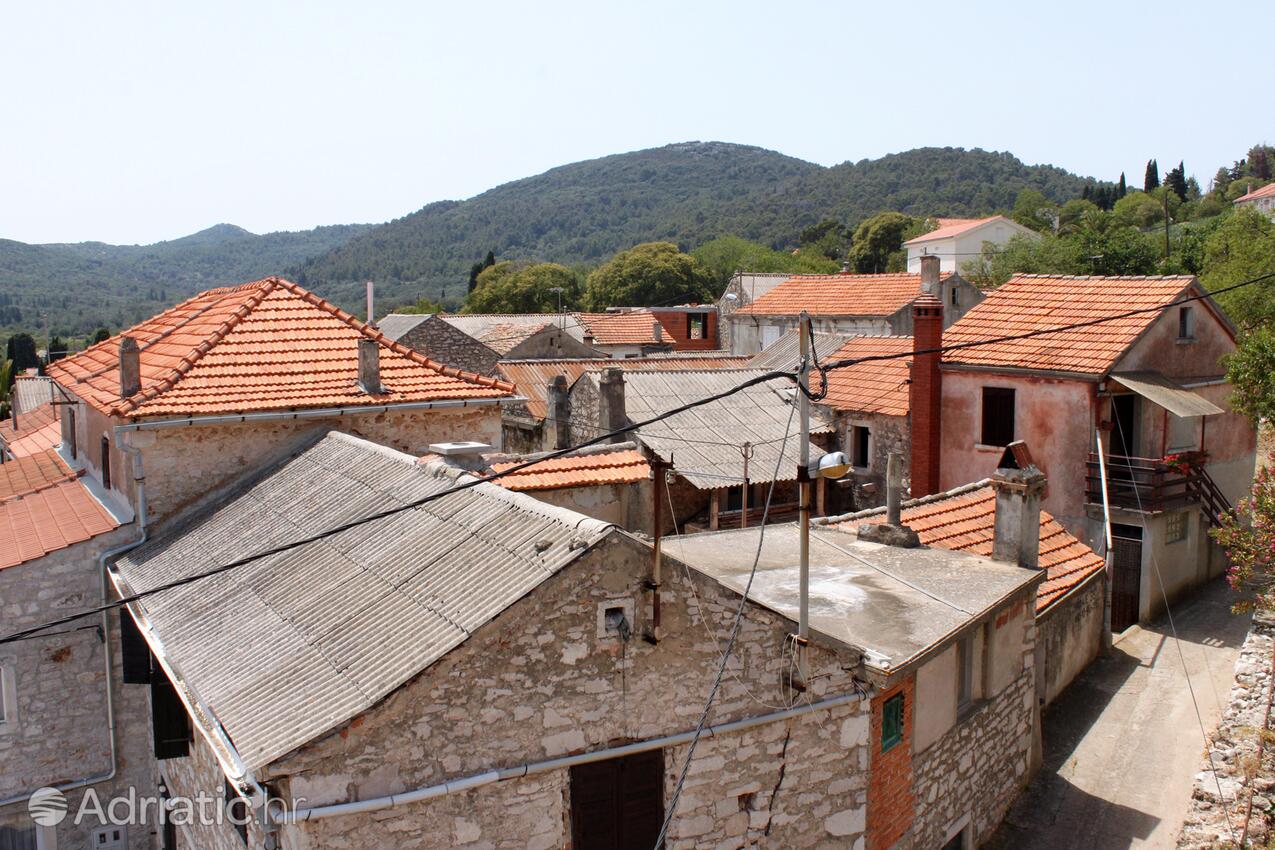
point(1167, 393)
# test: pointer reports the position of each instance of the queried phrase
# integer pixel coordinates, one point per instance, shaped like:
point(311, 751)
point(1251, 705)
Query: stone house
point(476, 343)
point(874, 304)
point(1140, 403)
point(957, 241)
point(743, 289)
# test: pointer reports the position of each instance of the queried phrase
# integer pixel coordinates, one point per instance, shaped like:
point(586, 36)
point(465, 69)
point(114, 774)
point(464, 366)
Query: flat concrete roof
point(890, 604)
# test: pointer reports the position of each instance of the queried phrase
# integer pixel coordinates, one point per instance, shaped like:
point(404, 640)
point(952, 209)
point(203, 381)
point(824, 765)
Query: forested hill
point(71, 289)
point(685, 193)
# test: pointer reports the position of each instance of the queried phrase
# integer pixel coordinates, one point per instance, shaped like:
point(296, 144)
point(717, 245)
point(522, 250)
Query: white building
point(959, 240)
point(1262, 200)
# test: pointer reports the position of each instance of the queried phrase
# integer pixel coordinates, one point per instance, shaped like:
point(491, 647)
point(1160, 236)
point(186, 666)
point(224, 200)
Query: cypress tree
point(1152, 181)
point(1175, 180)
point(1121, 189)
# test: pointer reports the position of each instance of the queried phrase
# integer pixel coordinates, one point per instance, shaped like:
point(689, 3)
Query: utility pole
point(659, 477)
point(747, 451)
point(803, 494)
point(1166, 224)
point(562, 322)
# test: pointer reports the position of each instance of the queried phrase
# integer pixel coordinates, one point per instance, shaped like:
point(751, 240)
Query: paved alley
point(1122, 744)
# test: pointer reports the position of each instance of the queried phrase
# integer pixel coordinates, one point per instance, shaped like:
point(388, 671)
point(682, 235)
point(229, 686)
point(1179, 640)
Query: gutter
point(316, 413)
point(477, 780)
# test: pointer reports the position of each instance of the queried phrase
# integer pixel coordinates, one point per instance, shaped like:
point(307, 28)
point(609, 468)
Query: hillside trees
point(651, 274)
point(21, 350)
point(725, 255)
point(1032, 209)
point(1151, 181)
point(510, 287)
point(878, 242)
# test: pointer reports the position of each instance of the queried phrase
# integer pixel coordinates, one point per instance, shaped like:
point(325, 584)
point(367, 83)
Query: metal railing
point(1153, 485)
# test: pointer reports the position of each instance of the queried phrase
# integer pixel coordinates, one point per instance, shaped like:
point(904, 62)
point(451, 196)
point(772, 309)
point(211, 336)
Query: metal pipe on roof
point(501, 774)
point(316, 413)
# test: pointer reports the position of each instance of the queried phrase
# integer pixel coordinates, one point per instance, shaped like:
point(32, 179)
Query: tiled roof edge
point(910, 503)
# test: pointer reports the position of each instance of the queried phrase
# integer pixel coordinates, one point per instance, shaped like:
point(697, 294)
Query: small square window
point(891, 722)
point(1186, 323)
point(1175, 527)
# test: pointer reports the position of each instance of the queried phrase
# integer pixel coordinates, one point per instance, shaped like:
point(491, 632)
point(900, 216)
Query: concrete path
point(1122, 743)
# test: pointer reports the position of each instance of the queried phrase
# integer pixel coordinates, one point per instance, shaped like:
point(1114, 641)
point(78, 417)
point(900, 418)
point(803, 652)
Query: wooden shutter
point(618, 804)
point(135, 654)
point(170, 725)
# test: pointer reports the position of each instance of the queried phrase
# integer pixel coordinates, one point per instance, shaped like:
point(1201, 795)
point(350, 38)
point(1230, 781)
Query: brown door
point(618, 804)
point(1126, 578)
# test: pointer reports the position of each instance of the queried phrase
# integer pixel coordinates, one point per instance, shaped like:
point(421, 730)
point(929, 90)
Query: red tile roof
point(839, 295)
point(624, 467)
point(964, 521)
point(875, 386)
point(1039, 302)
point(1267, 191)
point(631, 327)
point(38, 430)
point(45, 507)
point(949, 227)
point(268, 345)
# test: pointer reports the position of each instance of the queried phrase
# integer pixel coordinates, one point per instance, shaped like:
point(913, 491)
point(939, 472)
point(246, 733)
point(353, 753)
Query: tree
point(1248, 536)
point(829, 238)
point(1251, 372)
point(423, 306)
point(878, 242)
point(1032, 209)
point(57, 348)
point(651, 274)
point(21, 350)
point(524, 288)
point(1073, 213)
point(1152, 179)
point(100, 335)
point(725, 255)
point(1242, 248)
point(1097, 244)
point(1175, 181)
point(1121, 188)
point(478, 268)
point(1138, 209)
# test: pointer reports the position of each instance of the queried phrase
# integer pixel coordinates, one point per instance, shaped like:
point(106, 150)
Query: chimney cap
point(460, 447)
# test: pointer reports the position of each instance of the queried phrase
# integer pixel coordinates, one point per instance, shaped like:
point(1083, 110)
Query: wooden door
point(1126, 582)
point(618, 804)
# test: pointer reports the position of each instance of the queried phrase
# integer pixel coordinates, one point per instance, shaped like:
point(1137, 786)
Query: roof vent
point(460, 448)
point(130, 368)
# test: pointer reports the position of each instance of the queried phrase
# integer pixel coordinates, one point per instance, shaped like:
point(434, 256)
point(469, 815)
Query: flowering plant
point(1248, 536)
point(1182, 462)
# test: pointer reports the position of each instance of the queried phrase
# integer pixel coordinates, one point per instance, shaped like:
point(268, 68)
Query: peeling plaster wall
point(1069, 636)
point(626, 505)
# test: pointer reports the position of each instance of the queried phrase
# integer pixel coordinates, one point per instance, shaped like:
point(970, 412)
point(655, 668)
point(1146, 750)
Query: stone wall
point(543, 680)
point(438, 340)
point(57, 729)
point(1243, 751)
point(887, 434)
point(626, 505)
point(1069, 635)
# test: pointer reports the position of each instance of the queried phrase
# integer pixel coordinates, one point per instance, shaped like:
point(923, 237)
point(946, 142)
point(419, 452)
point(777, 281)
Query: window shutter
point(618, 804)
point(170, 724)
point(135, 654)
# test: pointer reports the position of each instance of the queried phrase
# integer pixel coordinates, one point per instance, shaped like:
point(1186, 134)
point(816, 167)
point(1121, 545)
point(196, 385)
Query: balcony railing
point(1155, 485)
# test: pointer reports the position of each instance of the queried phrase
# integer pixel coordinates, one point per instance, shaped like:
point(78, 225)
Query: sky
point(134, 122)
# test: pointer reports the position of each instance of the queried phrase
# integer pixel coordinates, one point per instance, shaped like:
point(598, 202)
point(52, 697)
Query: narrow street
point(1122, 744)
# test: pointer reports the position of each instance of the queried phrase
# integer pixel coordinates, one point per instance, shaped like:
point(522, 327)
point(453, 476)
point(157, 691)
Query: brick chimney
point(611, 414)
point(925, 394)
point(1019, 485)
point(130, 367)
point(559, 412)
point(370, 367)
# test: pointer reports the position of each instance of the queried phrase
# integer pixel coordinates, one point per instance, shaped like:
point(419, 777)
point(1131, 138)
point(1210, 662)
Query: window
point(618, 803)
point(236, 811)
point(860, 438)
point(8, 697)
point(964, 673)
point(955, 297)
point(1186, 323)
point(109, 838)
point(135, 655)
point(1175, 527)
point(998, 416)
point(891, 722)
point(106, 462)
point(695, 326)
point(68, 432)
point(170, 725)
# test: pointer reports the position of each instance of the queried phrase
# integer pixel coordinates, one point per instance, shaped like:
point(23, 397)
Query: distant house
point(627, 333)
point(610, 482)
point(476, 343)
point(1149, 391)
point(743, 289)
point(1262, 200)
point(875, 304)
point(692, 327)
point(957, 241)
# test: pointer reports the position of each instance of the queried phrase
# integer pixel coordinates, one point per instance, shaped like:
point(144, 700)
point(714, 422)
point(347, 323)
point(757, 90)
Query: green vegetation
point(510, 287)
point(878, 242)
point(725, 255)
point(648, 275)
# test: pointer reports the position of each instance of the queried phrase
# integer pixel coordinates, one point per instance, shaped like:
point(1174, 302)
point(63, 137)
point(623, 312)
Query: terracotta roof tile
point(949, 227)
point(37, 431)
point(965, 522)
point(45, 507)
point(631, 327)
point(625, 467)
point(1267, 191)
point(839, 295)
point(1039, 302)
point(268, 345)
point(873, 387)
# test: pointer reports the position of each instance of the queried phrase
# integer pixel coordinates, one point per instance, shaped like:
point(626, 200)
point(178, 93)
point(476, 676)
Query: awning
point(1165, 392)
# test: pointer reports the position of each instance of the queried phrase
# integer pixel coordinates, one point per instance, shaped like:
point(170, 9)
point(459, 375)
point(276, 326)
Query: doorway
point(618, 804)
point(1126, 575)
point(1124, 434)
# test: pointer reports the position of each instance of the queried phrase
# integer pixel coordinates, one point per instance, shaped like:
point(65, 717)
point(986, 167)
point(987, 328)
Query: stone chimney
point(925, 392)
point(130, 367)
point(611, 414)
point(658, 331)
point(1019, 485)
point(370, 367)
point(559, 412)
point(892, 532)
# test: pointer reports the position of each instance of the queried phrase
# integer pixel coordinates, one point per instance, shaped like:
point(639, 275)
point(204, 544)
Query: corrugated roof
point(1038, 302)
point(1167, 393)
point(949, 227)
point(394, 325)
point(1267, 191)
point(291, 646)
point(268, 345)
point(44, 507)
point(785, 352)
point(703, 444)
point(877, 295)
point(38, 430)
point(624, 467)
point(877, 386)
point(964, 520)
point(531, 377)
point(31, 391)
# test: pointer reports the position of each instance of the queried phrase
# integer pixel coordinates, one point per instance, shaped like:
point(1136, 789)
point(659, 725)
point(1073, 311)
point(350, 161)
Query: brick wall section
point(675, 327)
point(890, 799)
point(440, 341)
point(926, 396)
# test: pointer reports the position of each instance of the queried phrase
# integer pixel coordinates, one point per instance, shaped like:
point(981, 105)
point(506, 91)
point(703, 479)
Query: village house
point(1262, 200)
point(743, 289)
point(957, 241)
point(477, 343)
point(548, 695)
point(872, 304)
point(1139, 402)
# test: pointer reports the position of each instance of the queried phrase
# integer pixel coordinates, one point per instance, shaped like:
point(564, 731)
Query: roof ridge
point(909, 503)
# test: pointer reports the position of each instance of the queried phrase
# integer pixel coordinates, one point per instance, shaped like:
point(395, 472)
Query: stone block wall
point(439, 341)
point(1069, 635)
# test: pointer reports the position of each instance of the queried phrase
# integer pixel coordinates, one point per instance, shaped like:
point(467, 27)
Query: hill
point(685, 193)
point(71, 289)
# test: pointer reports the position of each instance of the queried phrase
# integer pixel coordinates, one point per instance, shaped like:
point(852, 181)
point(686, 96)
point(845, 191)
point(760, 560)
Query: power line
point(601, 438)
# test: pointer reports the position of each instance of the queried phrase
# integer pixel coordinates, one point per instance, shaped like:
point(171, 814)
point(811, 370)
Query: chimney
point(130, 368)
point(1019, 485)
point(611, 415)
point(925, 392)
point(658, 330)
point(892, 532)
point(370, 367)
point(559, 412)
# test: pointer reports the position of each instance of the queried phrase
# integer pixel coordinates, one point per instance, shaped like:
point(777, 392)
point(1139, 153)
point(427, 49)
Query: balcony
point(1156, 485)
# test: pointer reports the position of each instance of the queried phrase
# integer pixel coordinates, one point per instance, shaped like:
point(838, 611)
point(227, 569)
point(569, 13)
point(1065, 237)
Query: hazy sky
point(134, 122)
